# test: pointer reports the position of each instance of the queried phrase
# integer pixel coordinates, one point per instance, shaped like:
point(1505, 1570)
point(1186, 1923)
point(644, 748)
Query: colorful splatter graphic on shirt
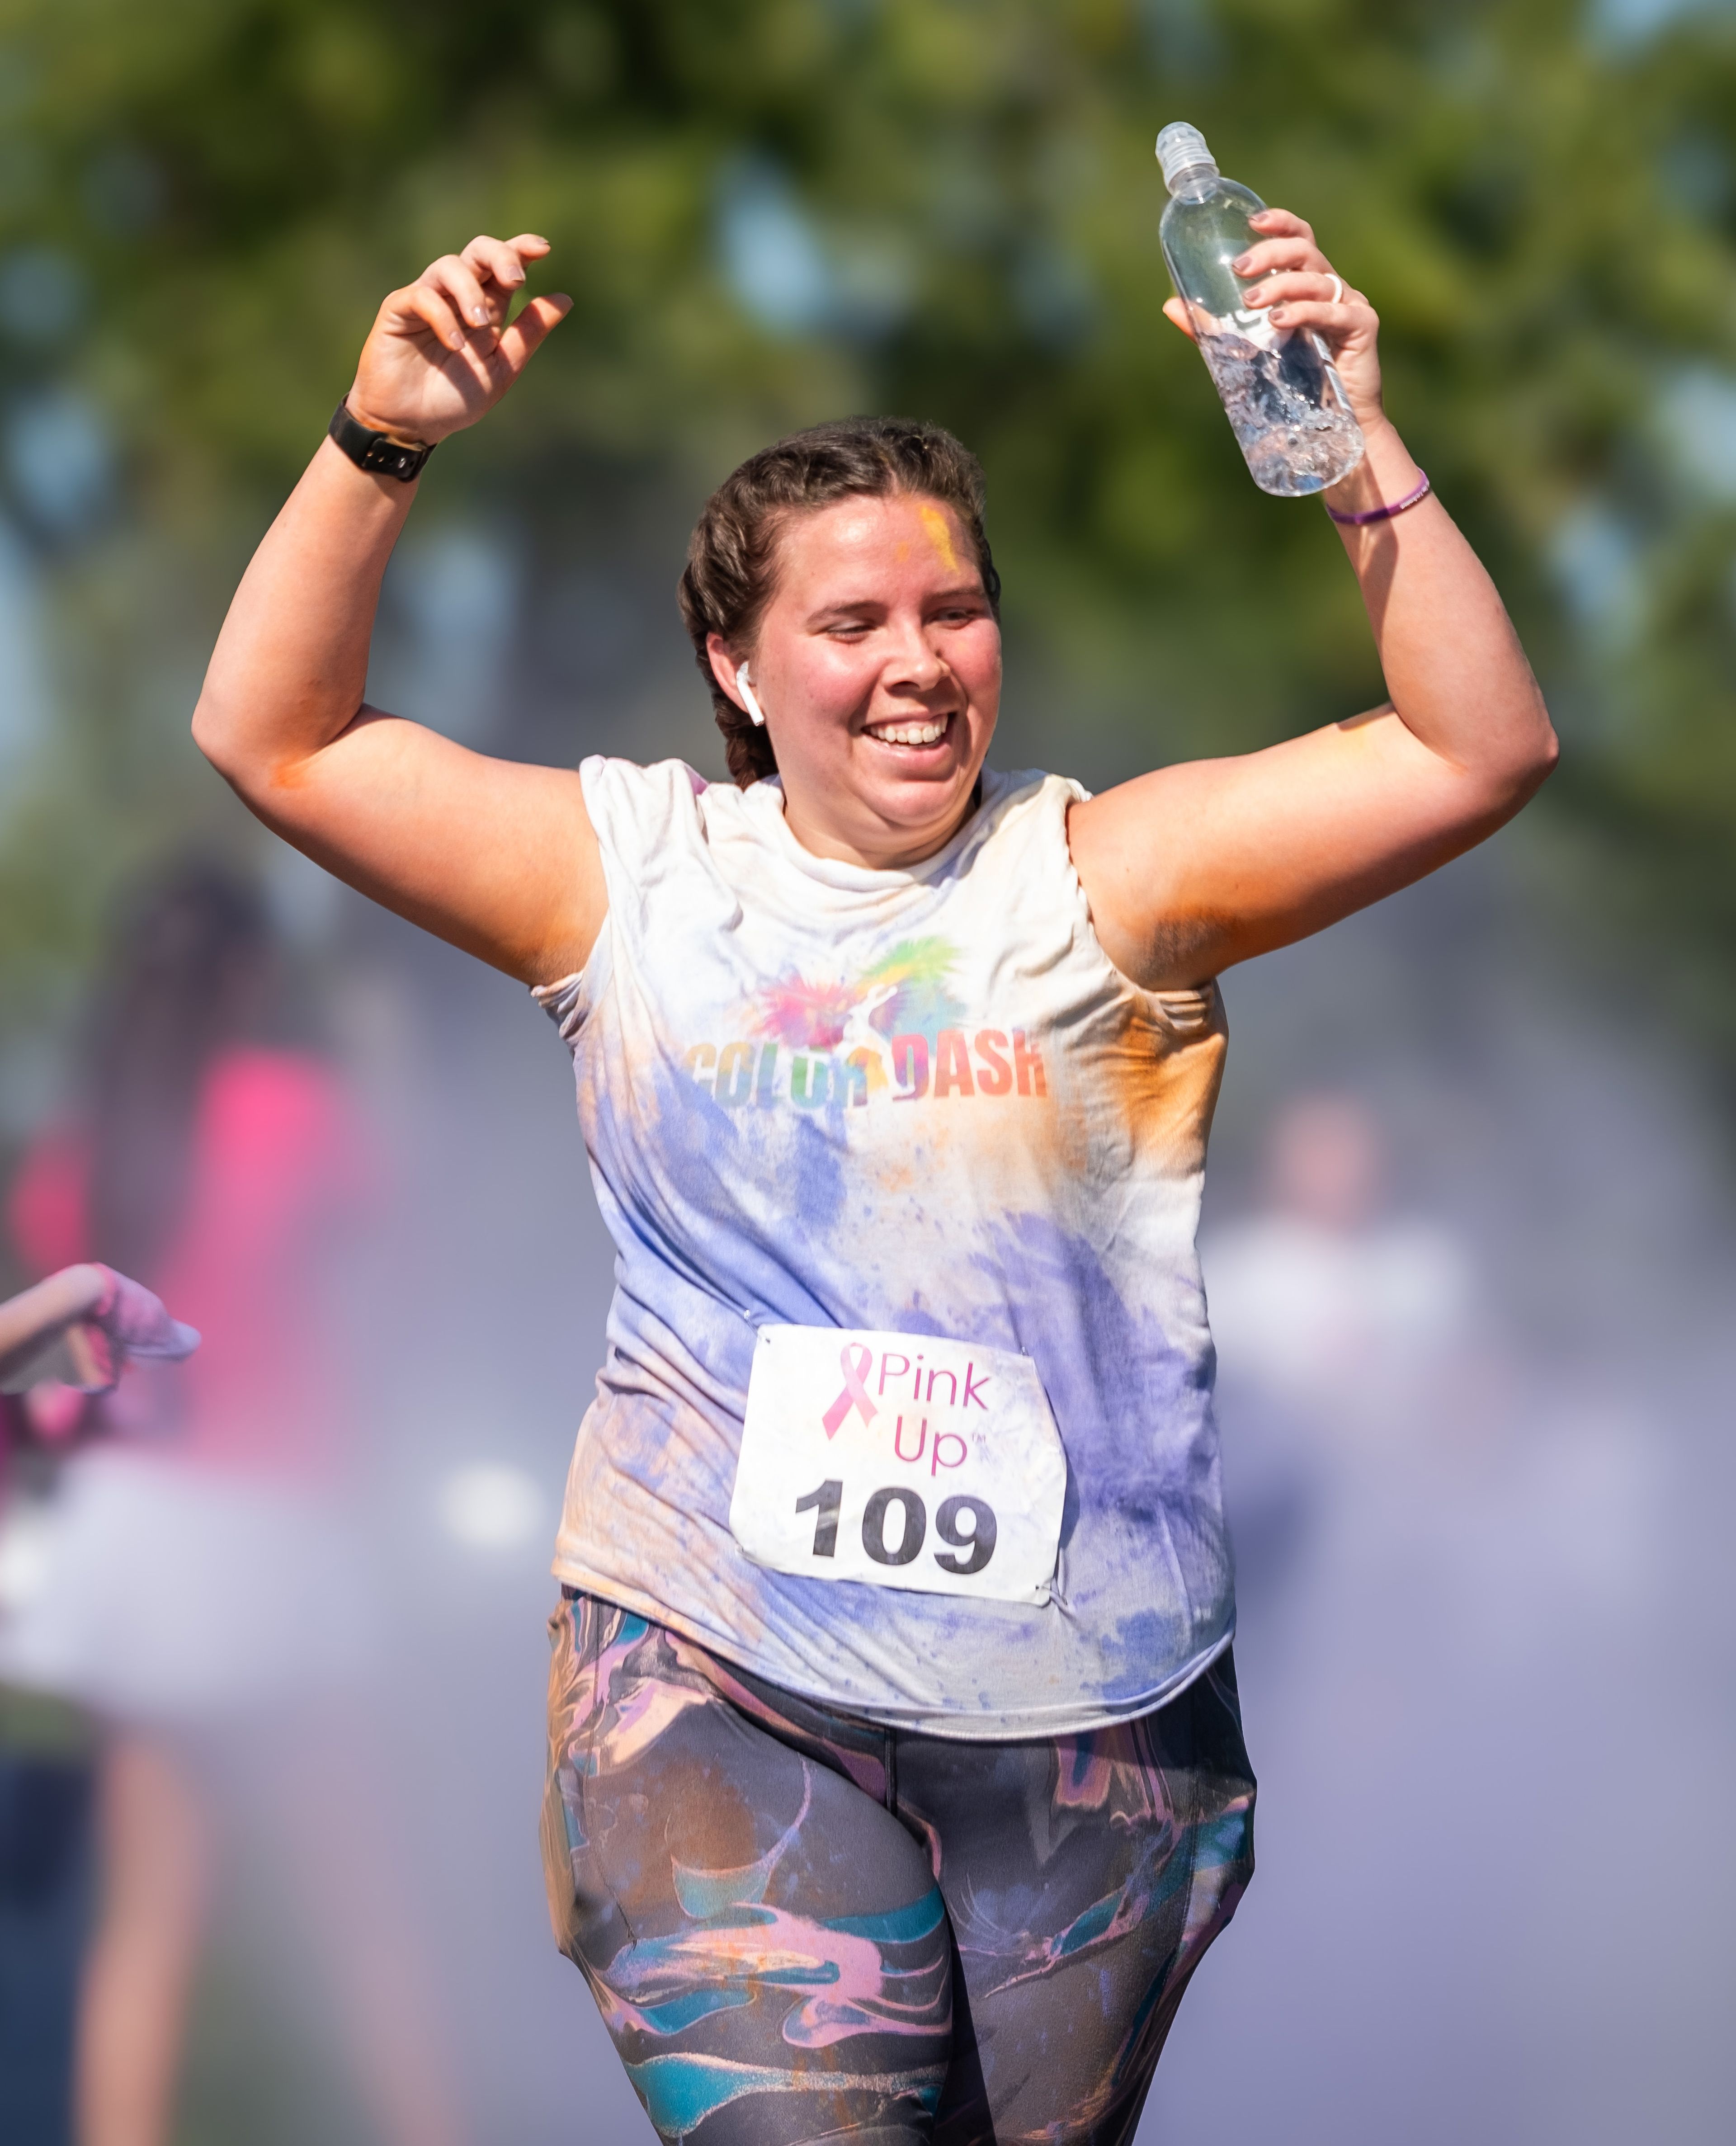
point(904, 993)
point(891, 1032)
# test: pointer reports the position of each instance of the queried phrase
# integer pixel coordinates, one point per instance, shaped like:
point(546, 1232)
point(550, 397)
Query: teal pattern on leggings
point(799, 1926)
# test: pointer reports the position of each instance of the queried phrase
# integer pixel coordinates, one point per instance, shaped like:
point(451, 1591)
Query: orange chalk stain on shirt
point(1163, 1073)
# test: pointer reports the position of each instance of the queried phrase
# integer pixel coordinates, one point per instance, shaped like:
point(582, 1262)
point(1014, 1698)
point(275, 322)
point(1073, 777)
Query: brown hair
point(733, 555)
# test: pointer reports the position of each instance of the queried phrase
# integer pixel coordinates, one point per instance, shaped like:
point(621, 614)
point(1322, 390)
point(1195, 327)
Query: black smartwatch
point(376, 450)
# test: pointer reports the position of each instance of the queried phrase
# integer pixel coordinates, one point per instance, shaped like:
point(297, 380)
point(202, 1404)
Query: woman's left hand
point(1298, 283)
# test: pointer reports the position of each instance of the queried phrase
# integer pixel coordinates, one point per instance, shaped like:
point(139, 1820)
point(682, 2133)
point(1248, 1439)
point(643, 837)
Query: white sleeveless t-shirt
point(923, 1102)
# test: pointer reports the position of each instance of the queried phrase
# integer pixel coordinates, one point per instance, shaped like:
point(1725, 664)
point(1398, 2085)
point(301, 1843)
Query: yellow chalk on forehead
point(934, 519)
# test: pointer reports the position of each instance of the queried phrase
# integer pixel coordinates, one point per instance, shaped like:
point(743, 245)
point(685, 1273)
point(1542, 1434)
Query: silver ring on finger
point(1337, 290)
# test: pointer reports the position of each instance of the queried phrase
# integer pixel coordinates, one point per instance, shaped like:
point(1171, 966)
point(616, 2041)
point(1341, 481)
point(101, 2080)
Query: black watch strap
point(376, 450)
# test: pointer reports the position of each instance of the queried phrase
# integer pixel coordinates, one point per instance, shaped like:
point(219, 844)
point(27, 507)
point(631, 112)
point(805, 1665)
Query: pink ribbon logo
point(856, 1364)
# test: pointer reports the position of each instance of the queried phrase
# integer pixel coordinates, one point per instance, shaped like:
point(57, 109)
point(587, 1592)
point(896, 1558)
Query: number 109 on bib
point(900, 1460)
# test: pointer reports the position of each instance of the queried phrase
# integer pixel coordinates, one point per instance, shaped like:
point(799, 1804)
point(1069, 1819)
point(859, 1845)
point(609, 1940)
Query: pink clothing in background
point(280, 1175)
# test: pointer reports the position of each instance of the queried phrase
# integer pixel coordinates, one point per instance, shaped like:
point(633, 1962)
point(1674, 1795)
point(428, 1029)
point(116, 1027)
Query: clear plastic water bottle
point(1285, 402)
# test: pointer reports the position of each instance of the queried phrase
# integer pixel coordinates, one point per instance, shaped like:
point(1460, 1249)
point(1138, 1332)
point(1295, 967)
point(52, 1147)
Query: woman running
point(896, 1779)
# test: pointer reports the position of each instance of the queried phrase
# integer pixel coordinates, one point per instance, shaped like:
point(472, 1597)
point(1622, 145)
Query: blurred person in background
point(1323, 1298)
point(198, 1593)
point(100, 1320)
point(1462, 1553)
point(875, 1853)
point(1343, 1329)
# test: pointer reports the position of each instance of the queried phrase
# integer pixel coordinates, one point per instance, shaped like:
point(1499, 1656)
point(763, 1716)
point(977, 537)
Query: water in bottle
point(1285, 402)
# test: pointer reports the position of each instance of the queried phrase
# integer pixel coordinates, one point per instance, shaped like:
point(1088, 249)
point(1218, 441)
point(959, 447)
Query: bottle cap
point(1181, 148)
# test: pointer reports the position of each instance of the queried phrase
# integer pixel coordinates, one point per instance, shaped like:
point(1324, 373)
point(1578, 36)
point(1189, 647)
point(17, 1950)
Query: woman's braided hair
point(732, 556)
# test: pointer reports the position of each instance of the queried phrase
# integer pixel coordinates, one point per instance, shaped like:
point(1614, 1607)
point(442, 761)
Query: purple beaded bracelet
point(1382, 513)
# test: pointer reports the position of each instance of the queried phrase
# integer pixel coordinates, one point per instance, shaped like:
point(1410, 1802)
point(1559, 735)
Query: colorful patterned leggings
point(801, 1926)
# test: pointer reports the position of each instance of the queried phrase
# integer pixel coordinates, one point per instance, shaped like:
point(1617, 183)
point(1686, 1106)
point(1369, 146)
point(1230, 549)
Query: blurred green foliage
point(773, 209)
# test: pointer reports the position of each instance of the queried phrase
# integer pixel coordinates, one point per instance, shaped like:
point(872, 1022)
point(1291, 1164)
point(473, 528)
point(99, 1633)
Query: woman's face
point(877, 662)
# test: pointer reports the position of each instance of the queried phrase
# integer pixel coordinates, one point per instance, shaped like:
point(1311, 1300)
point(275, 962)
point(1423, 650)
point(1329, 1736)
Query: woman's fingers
point(1334, 322)
point(482, 281)
point(1277, 256)
point(1281, 223)
point(422, 301)
point(1282, 290)
point(500, 273)
point(1283, 240)
point(452, 274)
point(501, 260)
point(1351, 318)
point(466, 294)
point(461, 302)
point(1290, 280)
point(517, 343)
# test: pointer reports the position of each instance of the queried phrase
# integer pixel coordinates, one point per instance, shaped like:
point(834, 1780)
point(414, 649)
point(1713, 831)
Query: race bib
point(899, 1460)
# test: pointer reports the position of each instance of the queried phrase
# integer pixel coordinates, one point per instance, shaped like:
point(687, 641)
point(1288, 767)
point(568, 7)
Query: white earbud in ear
point(746, 692)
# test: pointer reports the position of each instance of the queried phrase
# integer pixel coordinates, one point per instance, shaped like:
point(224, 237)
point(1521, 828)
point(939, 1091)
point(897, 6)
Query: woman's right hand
point(438, 357)
point(498, 856)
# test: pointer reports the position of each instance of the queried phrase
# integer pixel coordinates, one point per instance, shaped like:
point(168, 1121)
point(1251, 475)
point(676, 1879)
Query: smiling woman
point(893, 1554)
point(892, 561)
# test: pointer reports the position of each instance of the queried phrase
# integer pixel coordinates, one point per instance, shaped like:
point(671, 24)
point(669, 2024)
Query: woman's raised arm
point(496, 856)
point(1196, 866)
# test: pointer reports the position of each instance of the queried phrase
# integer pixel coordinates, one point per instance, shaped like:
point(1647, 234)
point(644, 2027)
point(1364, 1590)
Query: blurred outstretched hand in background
point(105, 1318)
point(197, 1588)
